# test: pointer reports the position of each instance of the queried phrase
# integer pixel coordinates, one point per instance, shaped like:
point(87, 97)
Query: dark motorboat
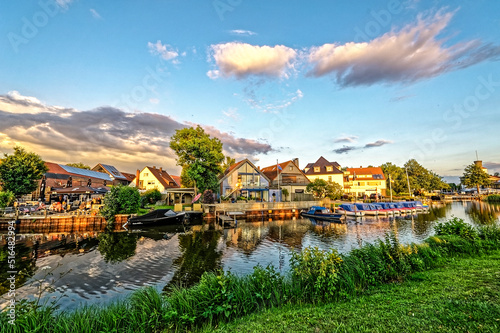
point(158, 217)
point(322, 214)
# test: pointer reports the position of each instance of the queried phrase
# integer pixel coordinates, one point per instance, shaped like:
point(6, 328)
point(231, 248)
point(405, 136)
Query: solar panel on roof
point(86, 173)
point(111, 169)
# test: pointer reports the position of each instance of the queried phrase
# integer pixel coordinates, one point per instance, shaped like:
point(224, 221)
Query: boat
point(350, 210)
point(158, 217)
point(322, 214)
point(388, 207)
point(363, 207)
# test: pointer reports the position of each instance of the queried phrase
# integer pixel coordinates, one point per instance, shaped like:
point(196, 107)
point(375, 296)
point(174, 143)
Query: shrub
point(6, 198)
point(121, 200)
point(316, 272)
point(493, 198)
point(150, 197)
point(456, 227)
point(208, 197)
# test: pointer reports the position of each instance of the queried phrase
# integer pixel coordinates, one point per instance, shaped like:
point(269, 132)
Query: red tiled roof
point(368, 172)
point(271, 172)
point(322, 163)
point(130, 176)
point(177, 179)
point(163, 177)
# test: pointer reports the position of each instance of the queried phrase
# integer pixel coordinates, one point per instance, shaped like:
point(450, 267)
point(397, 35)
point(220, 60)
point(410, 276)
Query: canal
point(97, 266)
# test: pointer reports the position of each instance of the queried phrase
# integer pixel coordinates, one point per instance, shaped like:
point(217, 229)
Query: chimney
point(137, 175)
point(296, 161)
point(161, 170)
point(479, 163)
point(154, 166)
point(361, 167)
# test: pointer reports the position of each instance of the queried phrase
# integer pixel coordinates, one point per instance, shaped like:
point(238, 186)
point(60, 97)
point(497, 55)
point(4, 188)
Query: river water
point(98, 266)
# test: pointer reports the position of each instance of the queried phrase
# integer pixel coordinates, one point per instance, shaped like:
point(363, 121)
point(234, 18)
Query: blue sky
point(359, 83)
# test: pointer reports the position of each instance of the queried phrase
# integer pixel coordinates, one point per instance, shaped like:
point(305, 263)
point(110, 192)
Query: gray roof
point(114, 171)
point(86, 173)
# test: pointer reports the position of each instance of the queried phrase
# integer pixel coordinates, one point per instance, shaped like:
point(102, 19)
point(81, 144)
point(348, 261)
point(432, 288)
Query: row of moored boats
point(370, 209)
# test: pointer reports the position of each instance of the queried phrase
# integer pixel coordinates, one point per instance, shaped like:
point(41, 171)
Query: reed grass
point(493, 198)
point(316, 277)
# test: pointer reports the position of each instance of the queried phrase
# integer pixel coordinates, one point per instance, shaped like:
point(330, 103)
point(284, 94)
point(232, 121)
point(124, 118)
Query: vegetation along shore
point(447, 283)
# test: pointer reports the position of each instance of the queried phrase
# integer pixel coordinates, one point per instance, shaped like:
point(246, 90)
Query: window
point(329, 169)
point(146, 174)
point(290, 168)
point(151, 182)
point(316, 169)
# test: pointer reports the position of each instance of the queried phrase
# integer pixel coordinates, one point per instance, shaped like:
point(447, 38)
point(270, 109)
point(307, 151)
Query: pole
point(278, 174)
point(408, 180)
point(390, 185)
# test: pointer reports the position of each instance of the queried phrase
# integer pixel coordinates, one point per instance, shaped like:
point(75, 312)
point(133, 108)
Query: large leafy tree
point(121, 200)
point(200, 157)
point(474, 176)
point(20, 171)
point(79, 165)
point(321, 188)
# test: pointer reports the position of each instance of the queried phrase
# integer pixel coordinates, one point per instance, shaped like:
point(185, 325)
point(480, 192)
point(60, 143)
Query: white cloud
point(231, 113)
point(95, 14)
point(347, 138)
point(275, 107)
point(154, 100)
point(240, 32)
point(378, 143)
point(411, 54)
point(163, 50)
point(241, 60)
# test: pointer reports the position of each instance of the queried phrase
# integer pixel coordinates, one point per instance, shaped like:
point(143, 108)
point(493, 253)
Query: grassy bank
point(461, 296)
point(333, 283)
point(493, 198)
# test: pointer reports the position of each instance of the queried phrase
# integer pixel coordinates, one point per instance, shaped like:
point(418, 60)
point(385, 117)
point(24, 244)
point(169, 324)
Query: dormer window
point(316, 169)
point(329, 169)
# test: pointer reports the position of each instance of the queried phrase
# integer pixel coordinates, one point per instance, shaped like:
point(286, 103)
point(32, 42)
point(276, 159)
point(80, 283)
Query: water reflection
point(117, 246)
point(200, 254)
point(169, 256)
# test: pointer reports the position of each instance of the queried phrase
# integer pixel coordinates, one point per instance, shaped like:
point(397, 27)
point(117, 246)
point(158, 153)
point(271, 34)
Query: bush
point(150, 197)
point(121, 200)
point(208, 197)
point(493, 198)
point(456, 227)
point(6, 198)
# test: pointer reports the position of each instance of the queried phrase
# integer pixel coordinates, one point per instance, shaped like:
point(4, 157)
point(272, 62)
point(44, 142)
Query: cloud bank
point(347, 149)
point(415, 52)
point(241, 60)
point(104, 134)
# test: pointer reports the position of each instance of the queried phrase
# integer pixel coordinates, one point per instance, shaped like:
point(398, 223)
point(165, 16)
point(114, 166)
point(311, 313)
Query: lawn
point(461, 296)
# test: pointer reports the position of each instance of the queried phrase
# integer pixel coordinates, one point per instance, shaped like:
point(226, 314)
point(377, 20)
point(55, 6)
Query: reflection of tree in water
point(482, 213)
point(117, 246)
point(423, 222)
point(199, 255)
point(292, 232)
point(329, 230)
point(25, 264)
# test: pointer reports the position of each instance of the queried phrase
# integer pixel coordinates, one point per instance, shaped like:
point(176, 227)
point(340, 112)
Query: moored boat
point(366, 208)
point(350, 210)
point(322, 214)
point(157, 217)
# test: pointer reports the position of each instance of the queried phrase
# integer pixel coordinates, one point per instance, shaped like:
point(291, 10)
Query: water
point(95, 266)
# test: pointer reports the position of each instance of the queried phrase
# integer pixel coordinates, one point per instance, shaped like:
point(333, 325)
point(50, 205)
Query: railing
point(242, 207)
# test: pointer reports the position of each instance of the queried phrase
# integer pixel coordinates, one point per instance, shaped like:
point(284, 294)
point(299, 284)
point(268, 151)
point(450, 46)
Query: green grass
point(461, 296)
point(147, 209)
point(493, 198)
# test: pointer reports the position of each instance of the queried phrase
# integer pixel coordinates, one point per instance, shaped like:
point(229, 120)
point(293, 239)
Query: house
point(244, 179)
point(60, 177)
point(116, 176)
point(365, 181)
point(153, 178)
point(287, 175)
point(322, 169)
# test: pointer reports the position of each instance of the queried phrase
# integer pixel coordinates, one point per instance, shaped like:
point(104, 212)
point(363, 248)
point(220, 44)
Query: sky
point(361, 83)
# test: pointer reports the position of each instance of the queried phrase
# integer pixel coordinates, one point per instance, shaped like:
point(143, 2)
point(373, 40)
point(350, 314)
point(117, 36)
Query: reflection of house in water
point(482, 213)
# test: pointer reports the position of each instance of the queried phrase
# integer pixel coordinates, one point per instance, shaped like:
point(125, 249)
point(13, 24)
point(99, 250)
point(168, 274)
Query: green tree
point(228, 161)
point(321, 188)
point(121, 200)
point(285, 193)
point(200, 157)
point(79, 165)
point(20, 171)
point(474, 176)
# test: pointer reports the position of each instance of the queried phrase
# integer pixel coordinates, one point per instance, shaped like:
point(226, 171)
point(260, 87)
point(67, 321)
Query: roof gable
point(235, 167)
point(371, 172)
point(322, 163)
point(163, 177)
